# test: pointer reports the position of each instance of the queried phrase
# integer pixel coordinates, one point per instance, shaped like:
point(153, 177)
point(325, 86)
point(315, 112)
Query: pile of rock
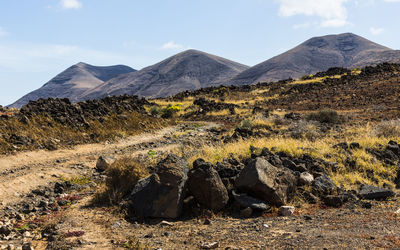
point(266, 180)
point(77, 114)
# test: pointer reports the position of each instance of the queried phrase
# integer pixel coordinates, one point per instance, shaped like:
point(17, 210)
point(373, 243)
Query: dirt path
point(26, 171)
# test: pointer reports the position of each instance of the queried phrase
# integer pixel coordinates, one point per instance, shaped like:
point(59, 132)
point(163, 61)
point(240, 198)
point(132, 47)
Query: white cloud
point(172, 45)
point(28, 57)
point(376, 31)
point(2, 32)
point(71, 4)
point(332, 13)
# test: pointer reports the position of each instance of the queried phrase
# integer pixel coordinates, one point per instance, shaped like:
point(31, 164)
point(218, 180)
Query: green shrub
point(246, 124)
point(324, 116)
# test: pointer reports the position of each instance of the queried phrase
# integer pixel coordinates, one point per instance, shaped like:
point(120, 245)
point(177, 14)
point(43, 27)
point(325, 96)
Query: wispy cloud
point(71, 4)
point(376, 31)
point(28, 57)
point(2, 32)
point(332, 13)
point(392, 1)
point(172, 45)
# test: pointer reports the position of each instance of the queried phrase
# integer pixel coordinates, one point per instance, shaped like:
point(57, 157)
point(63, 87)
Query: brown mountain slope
point(188, 70)
point(318, 54)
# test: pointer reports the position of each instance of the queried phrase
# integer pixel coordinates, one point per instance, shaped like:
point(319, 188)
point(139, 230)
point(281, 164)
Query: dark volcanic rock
point(76, 115)
point(323, 185)
point(206, 186)
point(273, 185)
point(248, 201)
point(375, 193)
point(161, 195)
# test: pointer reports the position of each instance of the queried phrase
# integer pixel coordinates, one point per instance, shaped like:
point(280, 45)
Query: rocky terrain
point(272, 165)
point(73, 82)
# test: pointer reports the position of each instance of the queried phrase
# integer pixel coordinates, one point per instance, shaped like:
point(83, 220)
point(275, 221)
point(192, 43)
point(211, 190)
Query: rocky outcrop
point(161, 195)
point(207, 188)
point(275, 186)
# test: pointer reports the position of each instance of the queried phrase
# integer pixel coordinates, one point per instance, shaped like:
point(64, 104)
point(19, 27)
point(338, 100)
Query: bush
point(155, 111)
point(246, 124)
point(324, 116)
point(305, 130)
point(122, 176)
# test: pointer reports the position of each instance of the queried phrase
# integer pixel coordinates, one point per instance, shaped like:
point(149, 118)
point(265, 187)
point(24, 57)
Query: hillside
point(188, 70)
point(72, 82)
point(318, 54)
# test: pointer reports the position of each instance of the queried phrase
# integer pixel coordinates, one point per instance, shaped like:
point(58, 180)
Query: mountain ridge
point(73, 81)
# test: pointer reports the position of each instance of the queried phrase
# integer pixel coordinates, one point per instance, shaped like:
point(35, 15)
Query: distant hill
point(318, 54)
point(74, 81)
point(188, 70)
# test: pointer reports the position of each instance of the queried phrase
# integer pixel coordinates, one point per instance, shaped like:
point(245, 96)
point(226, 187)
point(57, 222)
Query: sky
point(41, 38)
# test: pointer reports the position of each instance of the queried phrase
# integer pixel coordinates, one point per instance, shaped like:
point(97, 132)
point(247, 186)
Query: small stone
point(116, 225)
point(307, 217)
point(207, 221)
point(265, 225)
point(104, 162)
point(27, 246)
point(247, 212)
point(10, 247)
point(27, 234)
point(306, 178)
point(166, 223)
point(212, 245)
point(286, 210)
point(149, 235)
point(398, 211)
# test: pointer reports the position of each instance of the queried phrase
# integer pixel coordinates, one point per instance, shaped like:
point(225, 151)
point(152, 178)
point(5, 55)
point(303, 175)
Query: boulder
point(334, 200)
point(375, 193)
point(306, 178)
point(273, 185)
point(206, 186)
point(161, 194)
point(323, 185)
point(104, 162)
point(251, 202)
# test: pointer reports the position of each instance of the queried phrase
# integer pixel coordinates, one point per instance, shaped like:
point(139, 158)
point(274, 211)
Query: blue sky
point(41, 38)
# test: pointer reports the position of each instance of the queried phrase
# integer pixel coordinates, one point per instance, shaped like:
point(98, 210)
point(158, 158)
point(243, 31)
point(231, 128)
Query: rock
point(27, 246)
point(323, 185)
point(246, 213)
point(166, 223)
point(342, 145)
point(398, 211)
point(104, 162)
point(267, 182)
point(292, 166)
point(306, 178)
point(286, 210)
point(5, 231)
point(248, 201)
point(397, 179)
point(10, 247)
point(355, 145)
point(161, 195)
point(375, 193)
point(207, 188)
point(333, 200)
point(212, 245)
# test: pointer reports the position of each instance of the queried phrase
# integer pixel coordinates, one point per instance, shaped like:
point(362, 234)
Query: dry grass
point(122, 177)
point(321, 148)
point(42, 132)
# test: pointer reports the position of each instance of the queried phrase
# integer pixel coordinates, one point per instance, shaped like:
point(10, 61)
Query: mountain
point(318, 54)
point(74, 81)
point(188, 70)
